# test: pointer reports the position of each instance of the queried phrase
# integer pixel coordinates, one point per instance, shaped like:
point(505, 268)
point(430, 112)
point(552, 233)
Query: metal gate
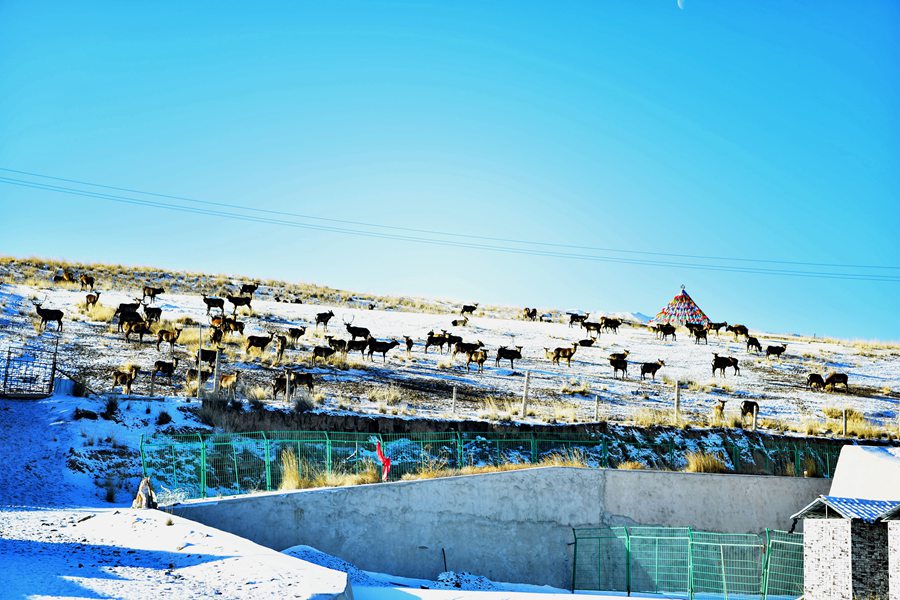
point(27, 372)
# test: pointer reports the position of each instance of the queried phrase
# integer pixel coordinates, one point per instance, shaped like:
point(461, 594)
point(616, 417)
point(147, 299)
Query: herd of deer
point(136, 318)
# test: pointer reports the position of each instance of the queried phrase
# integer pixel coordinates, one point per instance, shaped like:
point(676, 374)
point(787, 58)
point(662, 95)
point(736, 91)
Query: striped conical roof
point(682, 309)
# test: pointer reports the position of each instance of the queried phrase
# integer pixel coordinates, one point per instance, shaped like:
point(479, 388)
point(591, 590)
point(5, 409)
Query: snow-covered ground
point(423, 381)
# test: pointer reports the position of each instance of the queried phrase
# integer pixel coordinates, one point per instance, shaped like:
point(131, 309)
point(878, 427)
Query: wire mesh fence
point(682, 563)
point(212, 464)
point(27, 372)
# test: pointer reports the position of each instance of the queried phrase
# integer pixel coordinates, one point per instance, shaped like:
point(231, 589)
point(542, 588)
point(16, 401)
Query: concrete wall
point(510, 526)
point(894, 559)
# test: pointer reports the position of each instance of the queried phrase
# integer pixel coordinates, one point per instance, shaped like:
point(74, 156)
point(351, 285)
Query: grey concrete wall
point(510, 526)
point(894, 559)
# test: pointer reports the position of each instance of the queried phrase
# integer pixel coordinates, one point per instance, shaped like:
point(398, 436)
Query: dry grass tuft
point(290, 470)
point(390, 395)
point(703, 462)
point(575, 387)
point(631, 465)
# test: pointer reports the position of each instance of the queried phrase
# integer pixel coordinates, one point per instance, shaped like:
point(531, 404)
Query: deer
point(207, 356)
point(358, 345)
point(529, 314)
point(338, 345)
point(651, 368)
point(775, 350)
point(717, 326)
point(720, 363)
point(752, 342)
point(66, 277)
point(217, 335)
point(170, 337)
point(409, 344)
point(619, 364)
point(695, 328)
point(212, 303)
point(217, 321)
point(592, 327)
point(138, 328)
point(356, 332)
point(231, 325)
point(565, 352)
point(749, 407)
point(282, 345)
point(238, 301)
point(460, 322)
point(258, 341)
point(228, 383)
point(610, 324)
point(510, 354)
point(90, 300)
point(127, 318)
point(125, 378)
point(152, 314)
point(152, 293)
point(478, 357)
point(664, 330)
point(48, 314)
point(249, 288)
point(466, 347)
point(738, 330)
point(435, 339)
point(814, 380)
point(128, 311)
point(700, 334)
point(278, 384)
point(191, 376)
point(381, 347)
point(619, 355)
point(322, 318)
point(835, 378)
point(86, 280)
point(586, 343)
point(162, 367)
point(322, 352)
point(468, 308)
point(577, 318)
point(295, 333)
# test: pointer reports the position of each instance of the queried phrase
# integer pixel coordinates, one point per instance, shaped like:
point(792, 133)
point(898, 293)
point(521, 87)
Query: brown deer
point(619, 364)
point(815, 381)
point(466, 347)
point(238, 301)
point(170, 337)
point(48, 314)
point(249, 288)
point(749, 407)
point(717, 326)
point(322, 352)
point(358, 345)
point(66, 277)
point(664, 330)
point(651, 368)
point(191, 376)
point(619, 355)
point(835, 378)
point(295, 333)
point(586, 343)
point(125, 378)
point(278, 384)
point(460, 322)
point(356, 332)
point(577, 318)
point(775, 350)
point(478, 357)
point(218, 334)
point(700, 334)
point(228, 383)
point(339, 345)
point(510, 354)
point(409, 345)
point(322, 318)
point(138, 328)
point(381, 347)
point(162, 367)
point(90, 300)
point(610, 324)
point(207, 356)
point(212, 303)
point(592, 328)
point(529, 314)
point(720, 363)
point(152, 314)
point(86, 280)
point(738, 330)
point(282, 346)
point(468, 308)
point(752, 342)
point(435, 339)
point(258, 341)
point(152, 293)
point(231, 325)
point(566, 353)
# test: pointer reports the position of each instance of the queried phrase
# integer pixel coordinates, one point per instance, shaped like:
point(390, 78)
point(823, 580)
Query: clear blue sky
point(763, 130)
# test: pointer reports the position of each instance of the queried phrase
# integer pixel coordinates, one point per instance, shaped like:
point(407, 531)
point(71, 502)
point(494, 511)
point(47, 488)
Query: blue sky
point(756, 130)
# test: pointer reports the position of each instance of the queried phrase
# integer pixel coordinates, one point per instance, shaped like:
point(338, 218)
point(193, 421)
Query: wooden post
point(199, 368)
point(216, 374)
point(677, 402)
point(152, 382)
point(755, 416)
point(844, 420)
point(453, 401)
point(525, 394)
point(596, 408)
point(287, 385)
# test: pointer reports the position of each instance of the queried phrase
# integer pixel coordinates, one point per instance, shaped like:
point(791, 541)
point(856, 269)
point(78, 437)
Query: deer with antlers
point(356, 332)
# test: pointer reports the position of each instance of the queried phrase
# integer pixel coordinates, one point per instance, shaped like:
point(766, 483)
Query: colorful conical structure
point(682, 309)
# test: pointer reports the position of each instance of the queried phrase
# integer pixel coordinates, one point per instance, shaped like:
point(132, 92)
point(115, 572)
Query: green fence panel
point(726, 564)
point(783, 577)
point(601, 559)
point(660, 560)
point(414, 453)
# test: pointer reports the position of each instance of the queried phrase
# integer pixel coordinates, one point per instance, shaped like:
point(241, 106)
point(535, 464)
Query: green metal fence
point(681, 562)
point(212, 464)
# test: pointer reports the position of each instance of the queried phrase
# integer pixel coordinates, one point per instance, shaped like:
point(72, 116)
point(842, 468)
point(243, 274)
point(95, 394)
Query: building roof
point(868, 511)
point(870, 472)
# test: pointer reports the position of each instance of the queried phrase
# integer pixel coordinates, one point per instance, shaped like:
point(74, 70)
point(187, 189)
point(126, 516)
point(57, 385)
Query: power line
point(450, 243)
point(442, 233)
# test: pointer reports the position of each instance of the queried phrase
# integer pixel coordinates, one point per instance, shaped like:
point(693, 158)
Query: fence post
point(724, 579)
point(269, 463)
point(755, 416)
point(152, 383)
point(597, 408)
point(844, 421)
point(327, 452)
point(525, 394)
point(287, 385)
point(627, 561)
point(677, 402)
point(453, 401)
point(143, 458)
point(533, 448)
point(6, 371)
point(202, 466)
point(216, 375)
point(199, 348)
